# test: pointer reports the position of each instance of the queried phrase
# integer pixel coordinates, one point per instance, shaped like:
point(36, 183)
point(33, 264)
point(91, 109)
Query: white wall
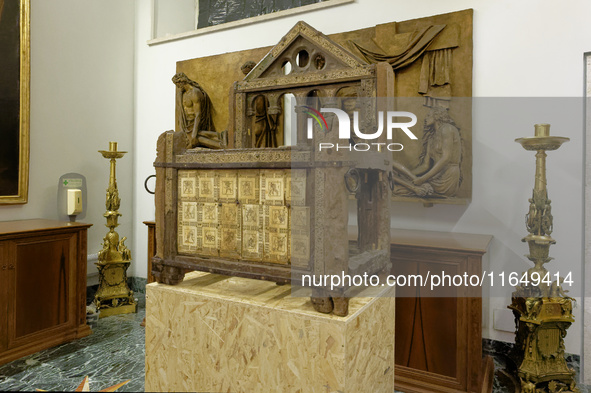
point(530, 48)
point(173, 17)
point(82, 54)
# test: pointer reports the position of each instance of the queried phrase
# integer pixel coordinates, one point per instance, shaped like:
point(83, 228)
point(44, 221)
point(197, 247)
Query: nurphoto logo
point(391, 120)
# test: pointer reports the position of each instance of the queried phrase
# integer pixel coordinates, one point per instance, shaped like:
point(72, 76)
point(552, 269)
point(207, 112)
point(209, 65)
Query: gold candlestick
point(542, 311)
point(113, 296)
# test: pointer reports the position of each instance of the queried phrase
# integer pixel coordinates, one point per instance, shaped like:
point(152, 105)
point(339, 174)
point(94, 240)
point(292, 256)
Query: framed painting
point(14, 100)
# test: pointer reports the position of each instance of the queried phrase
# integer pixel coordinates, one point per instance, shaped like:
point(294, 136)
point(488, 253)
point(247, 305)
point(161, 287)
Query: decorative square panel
point(248, 187)
point(229, 242)
point(188, 212)
point(296, 187)
point(187, 184)
point(210, 239)
point(278, 217)
point(278, 245)
point(300, 235)
point(231, 230)
point(276, 231)
point(272, 187)
point(210, 213)
point(300, 219)
point(208, 221)
point(187, 242)
point(206, 186)
point(300, 250)
point(250, 216)
point(228, 189)
point(252, 247)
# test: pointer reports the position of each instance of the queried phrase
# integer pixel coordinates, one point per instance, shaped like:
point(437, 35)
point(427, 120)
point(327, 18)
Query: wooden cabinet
point(439, 338)
point(42, 285)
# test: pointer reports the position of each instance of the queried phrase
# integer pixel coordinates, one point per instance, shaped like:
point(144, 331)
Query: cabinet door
point(432, 327)
point(42, 287)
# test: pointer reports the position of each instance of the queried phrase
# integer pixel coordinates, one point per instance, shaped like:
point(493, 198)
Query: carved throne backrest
point(305, 63)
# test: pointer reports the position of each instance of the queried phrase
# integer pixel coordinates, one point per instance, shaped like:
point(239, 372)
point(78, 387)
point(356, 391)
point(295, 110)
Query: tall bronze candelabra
point(542, 310)
point(113, 296)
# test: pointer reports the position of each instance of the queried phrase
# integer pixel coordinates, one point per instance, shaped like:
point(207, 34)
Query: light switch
point(74, 201)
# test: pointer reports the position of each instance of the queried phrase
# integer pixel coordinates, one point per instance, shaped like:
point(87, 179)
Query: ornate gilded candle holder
point(113, 296)
point(541, 308)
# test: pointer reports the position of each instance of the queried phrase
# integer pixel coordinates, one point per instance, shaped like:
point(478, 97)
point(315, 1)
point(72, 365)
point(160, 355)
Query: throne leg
point(341, 306)
point(169, 275)
point(321, 301)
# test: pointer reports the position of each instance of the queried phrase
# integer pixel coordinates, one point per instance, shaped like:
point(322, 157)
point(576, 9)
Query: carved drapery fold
point(435, 81)
point(416, 46)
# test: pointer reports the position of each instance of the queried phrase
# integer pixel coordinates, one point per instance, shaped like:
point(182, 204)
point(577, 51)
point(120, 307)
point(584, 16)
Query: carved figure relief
point(195, 119)
point(206, 187)
point(438, 173)
point(210, 237)
point(189, 235)
point(274, 189)
point(265, 123)
point(278, 244)
point(187, 188)
point(251, 243)
point(247, 67)
point(189, 211)
point(210, 213)
point(250, 214)
point(229, 237)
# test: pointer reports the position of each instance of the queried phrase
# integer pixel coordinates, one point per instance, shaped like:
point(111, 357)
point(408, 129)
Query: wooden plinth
point(228, 334)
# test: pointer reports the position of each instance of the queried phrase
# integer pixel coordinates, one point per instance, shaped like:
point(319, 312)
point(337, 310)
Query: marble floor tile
point(112, 354)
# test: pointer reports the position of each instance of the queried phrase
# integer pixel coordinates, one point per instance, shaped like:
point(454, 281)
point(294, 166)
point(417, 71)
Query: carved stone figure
point(247, 67)
point(264, 123)
point(438, 173)
point(195, 118)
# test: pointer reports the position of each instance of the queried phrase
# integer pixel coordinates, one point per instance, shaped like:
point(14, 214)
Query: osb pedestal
point(228, 334)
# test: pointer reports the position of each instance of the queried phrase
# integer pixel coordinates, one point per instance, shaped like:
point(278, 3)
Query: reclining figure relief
point(438, 173)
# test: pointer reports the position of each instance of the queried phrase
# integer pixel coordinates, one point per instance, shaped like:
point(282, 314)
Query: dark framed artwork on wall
point(14, 100)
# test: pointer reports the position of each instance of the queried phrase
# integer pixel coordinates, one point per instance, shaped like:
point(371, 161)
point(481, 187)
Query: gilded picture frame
point(14, 100)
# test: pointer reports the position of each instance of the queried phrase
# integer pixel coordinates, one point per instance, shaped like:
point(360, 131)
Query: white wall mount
point(71, 197)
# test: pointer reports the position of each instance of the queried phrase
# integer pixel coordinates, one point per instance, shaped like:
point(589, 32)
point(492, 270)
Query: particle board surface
point(228, 334)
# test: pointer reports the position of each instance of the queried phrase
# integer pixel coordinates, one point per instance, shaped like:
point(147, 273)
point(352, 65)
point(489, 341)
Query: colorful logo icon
point(317, 115)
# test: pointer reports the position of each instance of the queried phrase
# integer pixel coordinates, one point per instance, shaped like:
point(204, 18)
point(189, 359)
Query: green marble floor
point(112, 354)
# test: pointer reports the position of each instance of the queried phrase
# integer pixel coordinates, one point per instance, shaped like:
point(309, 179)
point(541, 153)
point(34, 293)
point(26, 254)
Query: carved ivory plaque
point(256, 215)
